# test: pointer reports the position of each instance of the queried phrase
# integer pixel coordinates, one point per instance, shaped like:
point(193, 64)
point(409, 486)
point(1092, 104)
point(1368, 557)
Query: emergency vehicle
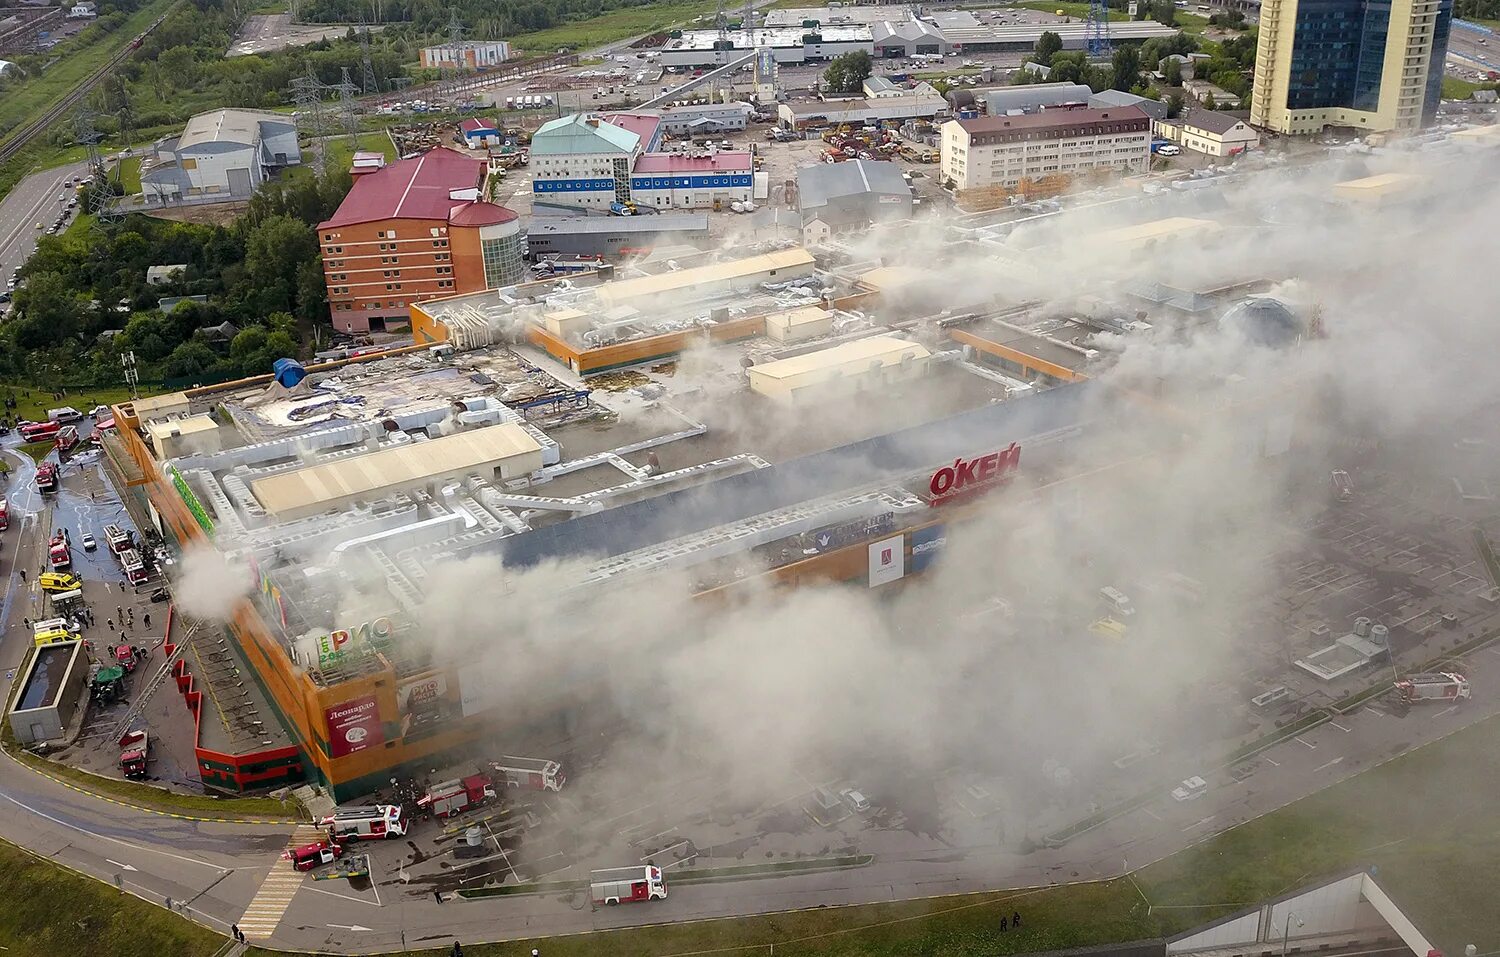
point(117, 540)
point(67, 437)
point(536, 774)
point(4, 514)
point(1436, 686)
point(46, 477)
point(48, 630)
point(57, 582)
point(626, 885)
point(457, 796)
point(135, 748)
point(367, 822)
point(38, 431)
point(135, 569)
point(308, 856)
point(58, 554)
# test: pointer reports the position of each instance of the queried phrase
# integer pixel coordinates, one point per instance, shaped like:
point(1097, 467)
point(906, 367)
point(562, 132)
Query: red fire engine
point(626, 885)
point(46, 477)
point(308, 856)
point(370, 822)
point(4, 515)
point(135, 746)
point(457, 796)
point(57, 552)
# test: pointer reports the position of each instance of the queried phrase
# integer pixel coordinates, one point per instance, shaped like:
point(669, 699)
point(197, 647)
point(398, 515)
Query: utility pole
point(348, 108)
point(127, 362)
point(368, 84)
point(307, 93)
point(99, 192)
point(1097, 32)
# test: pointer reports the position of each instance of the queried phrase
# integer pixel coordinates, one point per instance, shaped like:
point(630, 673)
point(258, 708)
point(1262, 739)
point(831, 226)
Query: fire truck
point(46, 477)
point(135, 569)
point(536, 774)
point(369, 822)
point(455, 797)
point(58, 554)
point(117, 540)
point(4, 515)
point(39, 431)
point(134, 747)
point(626, 885)
point(67, 437)
point(308, 856)
point(1436, 686)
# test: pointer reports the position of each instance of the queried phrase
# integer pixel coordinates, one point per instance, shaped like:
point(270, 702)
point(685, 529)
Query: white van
point(1118, 603)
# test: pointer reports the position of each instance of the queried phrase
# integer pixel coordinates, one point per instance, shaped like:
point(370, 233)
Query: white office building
point(226, 153)
point(1002, 151)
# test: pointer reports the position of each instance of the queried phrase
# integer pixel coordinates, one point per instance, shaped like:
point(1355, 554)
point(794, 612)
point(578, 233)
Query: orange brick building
point(413, 230)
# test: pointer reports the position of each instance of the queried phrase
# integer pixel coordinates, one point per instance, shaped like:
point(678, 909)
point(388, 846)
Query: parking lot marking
point(1339, 726)
point(1448, 710)
point(666, 849)
point(1308, 744)
point(683, 861)
point(1197, 823)
point(502, 852)
point(1152, 814)
point(1323, 767)
point(1273, 763)
point(1373, 711)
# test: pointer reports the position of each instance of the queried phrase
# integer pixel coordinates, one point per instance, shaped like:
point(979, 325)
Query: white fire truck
point(369, 822)
point(626, 885)
point(1436, 686)
point(537, 774)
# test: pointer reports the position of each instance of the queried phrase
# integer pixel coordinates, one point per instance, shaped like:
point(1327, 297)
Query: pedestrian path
point(276, 892)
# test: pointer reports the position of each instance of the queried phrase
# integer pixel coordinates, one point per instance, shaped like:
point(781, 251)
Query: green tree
point(847, 72)
point(1208, 102)
point(192, 358)
point(1048, 45)
point(50, 311)
point(1127, 66)
point(1172, 73)
point(275, 251)
point(1174, 105)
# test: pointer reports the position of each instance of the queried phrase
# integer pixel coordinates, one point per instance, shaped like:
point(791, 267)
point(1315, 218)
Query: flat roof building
point(852, 195)
point(614, 236)
point(779, 266)
point(861, 364)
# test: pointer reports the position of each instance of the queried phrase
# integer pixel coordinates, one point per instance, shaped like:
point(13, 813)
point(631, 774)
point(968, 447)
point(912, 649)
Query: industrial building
point(901, 30)
point(411, 230)
point(1357, 64)
point(225, 153)
point(705, 48)
point(614, 236)
point(1004, 151)
point(860, 112)
point(1211, 132)
point(908, 38)
point(1031, 97)
point(54, 693)
point(837, 198)
point(473, 55)
point(593, 162)
point(705, 118)
point(966, 34)
point(1105, 99)
point(478, 132)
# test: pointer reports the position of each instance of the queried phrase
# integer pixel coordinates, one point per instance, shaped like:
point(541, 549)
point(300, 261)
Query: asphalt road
point(32, 200)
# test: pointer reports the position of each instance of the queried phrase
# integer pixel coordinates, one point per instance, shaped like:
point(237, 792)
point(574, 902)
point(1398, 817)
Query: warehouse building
point(1003, 151)
point(412, 230)
point(1031, 97)
point(706, 118)
point(836, 198)
point(908, 38)
point(613, 237)
point(1105, 99)
point(711, 180)
point(474, 55)
point(705, 48)
point(850, 367)
point(860, 112)
point(226, 153)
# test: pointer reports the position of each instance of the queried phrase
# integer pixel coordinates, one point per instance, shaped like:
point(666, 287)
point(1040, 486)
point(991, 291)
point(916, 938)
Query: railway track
point(22, 137)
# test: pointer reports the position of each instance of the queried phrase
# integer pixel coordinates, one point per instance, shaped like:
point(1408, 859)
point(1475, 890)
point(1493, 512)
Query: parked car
point(855, 800)
point(88, 542)
point(1190, 790)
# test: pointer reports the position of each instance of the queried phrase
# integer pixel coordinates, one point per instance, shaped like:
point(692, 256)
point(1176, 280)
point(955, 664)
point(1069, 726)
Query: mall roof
point(1156, 229)
point(781, 37)
point(416, 188)
point(621, 290)
point(1383, 184)
point(577, 225)
point(846, 358)
point(312, 490)
point(679, 163)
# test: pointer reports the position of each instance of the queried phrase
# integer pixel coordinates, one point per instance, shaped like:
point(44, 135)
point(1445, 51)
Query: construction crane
point(1097, 33)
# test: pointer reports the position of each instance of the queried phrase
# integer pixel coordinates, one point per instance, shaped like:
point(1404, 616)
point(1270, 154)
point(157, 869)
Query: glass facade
point(1338, 54)
point(1434, 90)
point(502, 260)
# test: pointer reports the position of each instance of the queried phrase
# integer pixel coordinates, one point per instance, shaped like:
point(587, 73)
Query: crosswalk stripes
point(263, 915)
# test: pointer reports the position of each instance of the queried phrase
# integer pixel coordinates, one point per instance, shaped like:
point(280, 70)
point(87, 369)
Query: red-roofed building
point(645, 125)
point(681, 181)
point(479, 132)
point(413, 230)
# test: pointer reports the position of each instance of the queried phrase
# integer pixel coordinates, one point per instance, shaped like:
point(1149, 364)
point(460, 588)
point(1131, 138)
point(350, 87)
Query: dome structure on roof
point(1263, 321)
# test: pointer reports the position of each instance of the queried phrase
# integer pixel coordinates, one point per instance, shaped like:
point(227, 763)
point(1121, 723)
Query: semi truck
point(135, 746)
point(46, 477)
point(369, 822)
point(626, 885)
point(1434, 686)
point(536, 774)
point(58, 554)
point(454, 797)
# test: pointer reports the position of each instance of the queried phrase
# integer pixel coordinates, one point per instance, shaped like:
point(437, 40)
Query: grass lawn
point(1456, 89)
point(32, 402)
point(614, 25)
point(130, 175)
point(37, 450)
point(342, 156)
point(52, 911)
point(79, 59)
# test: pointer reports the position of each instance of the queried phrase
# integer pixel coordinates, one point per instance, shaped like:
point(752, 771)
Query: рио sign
point(366, 638)
point(966, 477)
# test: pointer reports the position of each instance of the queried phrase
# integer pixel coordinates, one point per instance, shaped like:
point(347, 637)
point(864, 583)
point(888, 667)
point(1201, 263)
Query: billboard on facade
point(887, 561)
point(926, 545)
point(474, 695)
point(424, 705)
point(354, 726)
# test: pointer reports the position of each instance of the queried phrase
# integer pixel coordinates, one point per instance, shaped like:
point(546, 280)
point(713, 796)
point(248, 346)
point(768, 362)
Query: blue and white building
point(589, 162)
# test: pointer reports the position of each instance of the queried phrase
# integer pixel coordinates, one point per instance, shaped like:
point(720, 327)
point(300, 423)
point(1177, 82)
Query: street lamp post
point(1286, 928)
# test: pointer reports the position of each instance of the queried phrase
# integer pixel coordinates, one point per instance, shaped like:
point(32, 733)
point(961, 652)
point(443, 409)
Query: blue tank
point(288, 372)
